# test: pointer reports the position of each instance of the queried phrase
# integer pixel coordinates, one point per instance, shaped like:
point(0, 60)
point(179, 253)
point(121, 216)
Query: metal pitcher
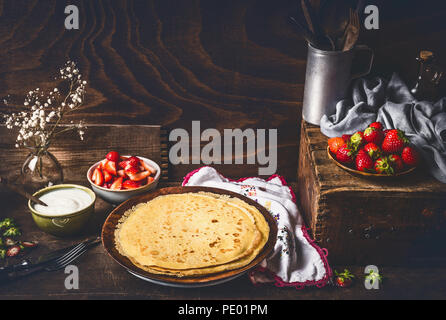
point(327, 79)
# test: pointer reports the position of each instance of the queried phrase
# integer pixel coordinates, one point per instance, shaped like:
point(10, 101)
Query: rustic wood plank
point(77, 156)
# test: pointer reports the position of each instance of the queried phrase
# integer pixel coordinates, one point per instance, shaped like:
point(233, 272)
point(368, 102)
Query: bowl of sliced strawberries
point(118, 178)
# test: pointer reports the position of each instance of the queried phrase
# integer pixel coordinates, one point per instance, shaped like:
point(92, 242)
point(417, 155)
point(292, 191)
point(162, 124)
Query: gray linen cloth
point(392, 104)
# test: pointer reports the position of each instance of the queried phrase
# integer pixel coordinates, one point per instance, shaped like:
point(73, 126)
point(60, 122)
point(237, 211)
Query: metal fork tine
point(80, 245)
point(63, 264)
point(71, 253)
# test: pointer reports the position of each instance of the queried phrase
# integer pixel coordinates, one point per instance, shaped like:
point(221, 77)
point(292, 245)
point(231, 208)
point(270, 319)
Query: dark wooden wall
point(230, 64)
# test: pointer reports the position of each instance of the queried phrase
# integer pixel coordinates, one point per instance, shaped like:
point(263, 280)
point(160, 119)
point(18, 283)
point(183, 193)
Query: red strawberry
point(396, 162)
point(374, 135)
point(148, 167)
point(110, 167)
point(363, 161)
point(121, 173)
point(29, 244)
point(13, 251)
point(139, 176)
point(107, 176)
point(133, 161)
point(383, 166)
point(357, 139)
point(333, 143)
point(344, 279)
point(10, 242)
point(122, 164)
point(345, 154)
point(102, 163)
point(112, 156)
point(410, 156)
point(97, 177)
point(117, 184)
point(129, 170)
point(129, 184)
point(376, 125)
point(394, 141)
point(373, 150)
point(346, 137)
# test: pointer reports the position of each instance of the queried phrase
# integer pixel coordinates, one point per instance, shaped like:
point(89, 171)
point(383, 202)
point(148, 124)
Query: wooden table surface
point(101, 278)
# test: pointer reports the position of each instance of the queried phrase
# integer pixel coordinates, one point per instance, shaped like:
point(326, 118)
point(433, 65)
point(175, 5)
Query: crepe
point(191, 234)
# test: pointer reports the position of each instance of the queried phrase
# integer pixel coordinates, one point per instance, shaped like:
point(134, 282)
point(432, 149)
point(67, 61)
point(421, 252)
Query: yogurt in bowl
point(69, 208)
point(63, 201)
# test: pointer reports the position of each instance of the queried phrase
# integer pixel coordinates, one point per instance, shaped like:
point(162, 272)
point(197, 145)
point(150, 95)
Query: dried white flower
point(37, 126)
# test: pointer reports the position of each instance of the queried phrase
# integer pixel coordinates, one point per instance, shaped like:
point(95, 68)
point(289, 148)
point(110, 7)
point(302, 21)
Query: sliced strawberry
point(129, 170)
point(121, 173)
point(13, 251)
point(94, 174)
point(107, 176)
point(147, 167)
point(129, 184)
point(29, 244)
point(133, 161)
point(113, 156)
point(110, 166)
point(122, 164)
point(139, 176)
point(117, 184)
point(10, 242)
point(102, 164)
point(98, 177)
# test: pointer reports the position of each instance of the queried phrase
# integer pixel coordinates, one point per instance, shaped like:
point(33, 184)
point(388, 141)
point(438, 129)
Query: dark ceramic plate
point(367, 174)
point(108, 240)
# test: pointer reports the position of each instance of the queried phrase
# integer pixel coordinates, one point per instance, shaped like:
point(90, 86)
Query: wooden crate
point(365, 221)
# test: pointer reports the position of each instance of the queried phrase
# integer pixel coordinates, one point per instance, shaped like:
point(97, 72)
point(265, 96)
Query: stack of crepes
point(191, 234)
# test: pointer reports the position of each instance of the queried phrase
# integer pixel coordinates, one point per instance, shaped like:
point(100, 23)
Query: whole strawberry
point(410, 156)
point(357, 140)
point(396, 162)
point(377, 125)
point(345, 154)
point(373, 150)
point(344, 279)
point(335, 143)
point(346, 137)
point(382, 166)
point(363, 161)
point(394, 141)
point(373, 135)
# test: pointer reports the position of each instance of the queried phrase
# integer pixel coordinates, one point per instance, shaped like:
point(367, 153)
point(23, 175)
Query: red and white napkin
point(296, 261)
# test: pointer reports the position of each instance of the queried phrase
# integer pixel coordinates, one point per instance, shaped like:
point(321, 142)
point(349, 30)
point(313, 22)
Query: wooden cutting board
point(368, 221)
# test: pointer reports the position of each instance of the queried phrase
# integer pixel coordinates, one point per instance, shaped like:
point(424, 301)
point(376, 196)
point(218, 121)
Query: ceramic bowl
point(119, 196)
point(63, 225)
